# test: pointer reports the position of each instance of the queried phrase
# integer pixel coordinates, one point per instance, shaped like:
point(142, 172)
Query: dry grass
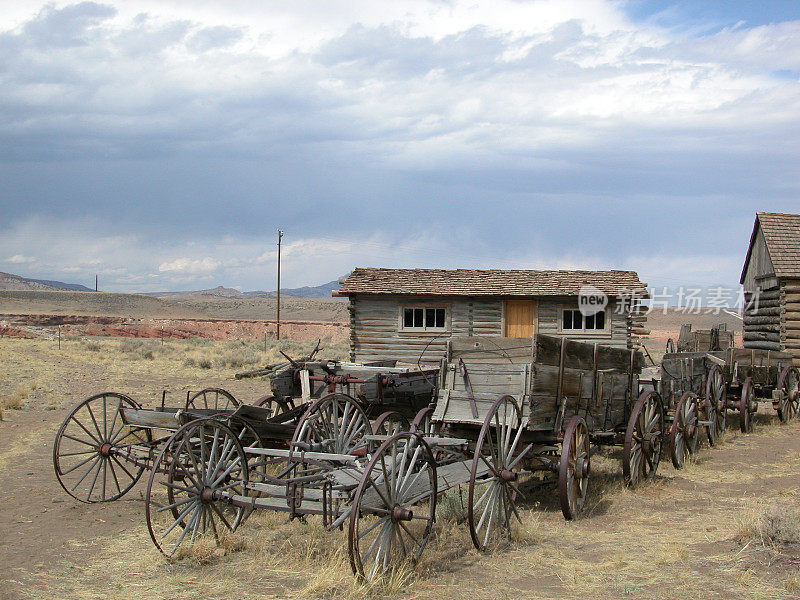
point(17, 399)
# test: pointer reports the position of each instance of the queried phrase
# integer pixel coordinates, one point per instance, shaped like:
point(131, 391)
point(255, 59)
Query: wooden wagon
point(700, 388)
point(542, 405)
point(390, 395)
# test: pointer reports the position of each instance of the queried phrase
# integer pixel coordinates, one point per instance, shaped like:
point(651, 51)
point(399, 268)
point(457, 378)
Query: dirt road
point(684, 535)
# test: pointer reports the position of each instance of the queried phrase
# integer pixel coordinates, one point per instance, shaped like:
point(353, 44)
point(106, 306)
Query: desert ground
point(726, 526)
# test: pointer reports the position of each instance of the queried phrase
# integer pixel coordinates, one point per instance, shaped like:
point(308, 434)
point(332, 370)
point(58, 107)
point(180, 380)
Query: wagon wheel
point(249, 438)
point(643, 439)
point(684, 433)
point(394, 507)
point(670, 346)
point(709, 414)
point(495, 470)
point(278, 406)
point(573, 468)
point(390, 423)
point(423, 422)
point(716, 393)
point(789, 387)
point(90, 448)
point(334, 423)
point(746, 406)
point(206, 466)
point(212, 399)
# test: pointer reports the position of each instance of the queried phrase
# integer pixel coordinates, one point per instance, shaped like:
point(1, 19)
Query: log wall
point(375, 331)
point(790, 318)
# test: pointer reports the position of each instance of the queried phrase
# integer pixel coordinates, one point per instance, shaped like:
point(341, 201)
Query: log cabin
point(410, 314)
point(771, 282)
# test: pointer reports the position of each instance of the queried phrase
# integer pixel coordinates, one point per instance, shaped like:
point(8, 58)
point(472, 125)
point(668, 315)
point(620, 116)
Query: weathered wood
point(757, 320)
point(762, 335)
point(763, 345)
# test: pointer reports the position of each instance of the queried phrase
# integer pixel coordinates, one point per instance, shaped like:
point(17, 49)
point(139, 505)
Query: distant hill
point(217, 292)
point(318, 291)
point(16, 282)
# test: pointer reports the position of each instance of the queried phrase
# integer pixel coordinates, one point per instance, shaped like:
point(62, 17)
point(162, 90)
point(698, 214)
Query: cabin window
point(574, 320)
point(423, 318)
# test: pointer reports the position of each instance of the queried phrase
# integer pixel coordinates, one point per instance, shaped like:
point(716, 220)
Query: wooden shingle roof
point(782, 235)
point(491, 282)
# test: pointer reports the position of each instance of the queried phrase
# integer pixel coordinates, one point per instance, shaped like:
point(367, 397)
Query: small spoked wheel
point(206, 471)
point(393, 508)
point(278, 406)
point(643, 439)
point(685, 432)
point(747, 406)
point(215, 399)
point(496, 467)
point(334, 423)
point(789, 388)
point(91, 446)
point(390, 423)
point(716, 394)
point(573, 468)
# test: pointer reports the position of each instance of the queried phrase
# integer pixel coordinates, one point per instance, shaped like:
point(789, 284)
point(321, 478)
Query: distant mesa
point(15, 282)
point(318, 291)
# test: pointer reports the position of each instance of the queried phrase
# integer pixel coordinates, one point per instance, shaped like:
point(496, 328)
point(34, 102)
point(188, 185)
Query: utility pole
point(278, 327)
point(95, 283)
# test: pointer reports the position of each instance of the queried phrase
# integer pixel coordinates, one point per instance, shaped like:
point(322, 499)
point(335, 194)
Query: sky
point(161, 144)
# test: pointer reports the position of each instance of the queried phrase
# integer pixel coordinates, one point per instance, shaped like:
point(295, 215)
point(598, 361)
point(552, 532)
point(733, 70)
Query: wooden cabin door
point(520, 318)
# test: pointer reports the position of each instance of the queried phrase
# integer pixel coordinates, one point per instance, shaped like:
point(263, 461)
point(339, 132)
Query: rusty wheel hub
point(207, 495)
point(507, 475)
point(582, 467)
point(105, 449)
point(402, 514)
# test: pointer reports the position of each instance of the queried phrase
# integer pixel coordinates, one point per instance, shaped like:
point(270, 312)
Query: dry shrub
point(16, 400)
point(778, 524)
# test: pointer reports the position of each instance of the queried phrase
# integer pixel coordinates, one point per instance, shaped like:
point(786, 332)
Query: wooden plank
point(151, 419)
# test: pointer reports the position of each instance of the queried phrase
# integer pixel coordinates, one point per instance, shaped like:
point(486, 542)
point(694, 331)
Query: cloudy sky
point(161, 143)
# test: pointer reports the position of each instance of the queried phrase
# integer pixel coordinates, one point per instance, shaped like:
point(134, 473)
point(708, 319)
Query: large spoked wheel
point(334, 423)
point(215, 399)
point(716, 393)
point(90, 446)
point(685, 433)
point(390, 423)
point(710, 415)
point(206, 467)
point(643, 439)
point(495, 470)
point(789, 388)
point(747, 406)
point(393, 507)
point(573, 468)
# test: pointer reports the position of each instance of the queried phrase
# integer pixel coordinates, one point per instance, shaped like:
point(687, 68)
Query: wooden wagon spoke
point(134, 478)
point(80, 441)
point(91, 468)
point(176, 504)
point(94, 481)
point(213, 455)
point(89, 433)
point(234, 463)
point(221, 516)
point(114, 475)
point(94, 456)
point(100, 434)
